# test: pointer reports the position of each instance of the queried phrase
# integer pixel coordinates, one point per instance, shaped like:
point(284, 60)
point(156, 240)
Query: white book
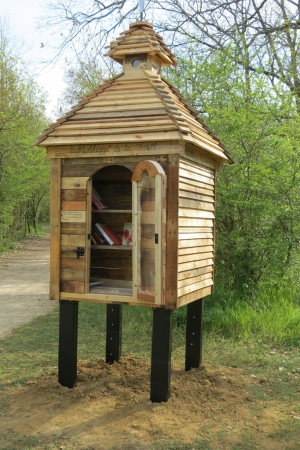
point(109, 240)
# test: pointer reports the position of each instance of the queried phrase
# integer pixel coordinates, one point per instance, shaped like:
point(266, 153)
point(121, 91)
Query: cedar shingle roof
point(141, 38)
point(142, 109)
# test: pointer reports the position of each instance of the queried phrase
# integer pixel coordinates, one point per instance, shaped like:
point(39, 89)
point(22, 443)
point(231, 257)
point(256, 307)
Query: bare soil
point(110, 407)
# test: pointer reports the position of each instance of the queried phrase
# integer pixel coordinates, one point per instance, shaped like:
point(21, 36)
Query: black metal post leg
point(113, 333)
point(194, 326)
point(67, 346)
point(161, 355)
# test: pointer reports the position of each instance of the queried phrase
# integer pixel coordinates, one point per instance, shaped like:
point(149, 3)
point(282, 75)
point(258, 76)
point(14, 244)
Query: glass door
point(149, 240)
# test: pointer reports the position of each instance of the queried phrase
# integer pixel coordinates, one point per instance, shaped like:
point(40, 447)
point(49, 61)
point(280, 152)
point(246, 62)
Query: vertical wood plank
point(159, 243)
point(214, 232)
point(55, 190)
point(88, 235)
point(172, 232)
point(135, 237)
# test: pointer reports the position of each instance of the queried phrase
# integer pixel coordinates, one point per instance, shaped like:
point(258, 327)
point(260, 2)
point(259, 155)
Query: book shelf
point(111, 211)
point(112, 264)
point(112, 247)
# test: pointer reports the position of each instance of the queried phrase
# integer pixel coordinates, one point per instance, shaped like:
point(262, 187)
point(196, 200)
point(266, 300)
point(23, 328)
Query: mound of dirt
point(110, 405)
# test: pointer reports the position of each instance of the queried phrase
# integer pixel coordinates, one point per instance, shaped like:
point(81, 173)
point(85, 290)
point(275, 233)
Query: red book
point(95, 204)
point(111, 234)
point(97, 200)
point(106, 239)
point(97, 238)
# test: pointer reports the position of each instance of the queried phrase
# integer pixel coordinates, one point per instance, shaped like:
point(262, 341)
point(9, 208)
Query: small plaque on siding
point(73, 216)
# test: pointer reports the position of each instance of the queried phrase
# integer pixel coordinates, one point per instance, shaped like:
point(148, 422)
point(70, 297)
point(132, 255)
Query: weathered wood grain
point(73, 195)
point(55, 187)
point(194, 272)
point(68, 251)
point(191, 243)
point(188, 298)
point(195, 250)
point(113, 153)
point(193, 257)
point(73, 205)
point(88, 230)
point(196, 279)
point(194, 287)
point(73, 240)
point(75, 275)
point(76, 287)
point(72, 228)
point(73, 263)
point(73, 216)
point(172, 233)
point(74, 182)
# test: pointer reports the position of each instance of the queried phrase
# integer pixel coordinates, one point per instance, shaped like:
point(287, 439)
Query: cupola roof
point(141, 38)
point(137, 106)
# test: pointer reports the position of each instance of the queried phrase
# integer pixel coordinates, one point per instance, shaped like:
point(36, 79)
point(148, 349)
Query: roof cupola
point(141, 48)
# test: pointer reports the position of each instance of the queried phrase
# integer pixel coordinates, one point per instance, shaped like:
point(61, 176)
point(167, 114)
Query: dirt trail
point(24, 284)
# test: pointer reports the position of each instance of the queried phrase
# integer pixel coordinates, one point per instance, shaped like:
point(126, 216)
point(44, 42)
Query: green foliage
point(271, 315)
point(24, 172)
point(85, 73)
point(81, 80)
point(258, 212)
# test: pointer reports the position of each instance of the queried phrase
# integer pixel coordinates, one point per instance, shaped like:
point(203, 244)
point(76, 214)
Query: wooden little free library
point(133, 162)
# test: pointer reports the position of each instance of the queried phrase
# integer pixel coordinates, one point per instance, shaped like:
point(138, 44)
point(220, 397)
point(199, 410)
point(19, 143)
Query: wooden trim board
point(55, 189)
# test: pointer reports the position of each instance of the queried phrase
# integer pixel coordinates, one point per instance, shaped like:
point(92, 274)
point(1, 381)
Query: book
point(93, 240)
point(103, 235)
point(97, 200)
point(127, 234)
point(108, 234)
point(111, 234)
point(97, 238)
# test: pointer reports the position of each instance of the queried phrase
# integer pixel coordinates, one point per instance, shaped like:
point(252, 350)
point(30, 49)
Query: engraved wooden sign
point(73, 216)
point(111, 150)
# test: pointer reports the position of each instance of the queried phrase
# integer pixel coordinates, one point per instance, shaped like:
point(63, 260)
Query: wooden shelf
point(111, 291)
point(111, 247)
point(105, 211)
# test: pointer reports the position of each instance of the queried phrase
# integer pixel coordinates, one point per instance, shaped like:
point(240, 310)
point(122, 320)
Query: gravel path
point(24, 284)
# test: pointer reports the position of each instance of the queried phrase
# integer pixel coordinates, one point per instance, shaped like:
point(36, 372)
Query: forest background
point(239, 64)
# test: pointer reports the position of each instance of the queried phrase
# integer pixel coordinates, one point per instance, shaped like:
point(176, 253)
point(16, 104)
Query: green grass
point(252, 334)
point(272, 315)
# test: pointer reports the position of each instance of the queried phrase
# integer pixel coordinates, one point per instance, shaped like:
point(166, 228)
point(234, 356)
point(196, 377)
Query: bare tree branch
point(264, 33)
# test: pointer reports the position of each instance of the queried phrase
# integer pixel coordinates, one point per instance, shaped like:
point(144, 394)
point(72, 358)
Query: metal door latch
point(79, 251)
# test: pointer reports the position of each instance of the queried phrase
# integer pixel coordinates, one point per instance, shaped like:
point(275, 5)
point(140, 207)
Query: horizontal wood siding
point(196, 217)
point(73, 234)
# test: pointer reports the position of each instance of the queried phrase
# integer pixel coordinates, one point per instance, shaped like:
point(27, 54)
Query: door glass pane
point(146, 239)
